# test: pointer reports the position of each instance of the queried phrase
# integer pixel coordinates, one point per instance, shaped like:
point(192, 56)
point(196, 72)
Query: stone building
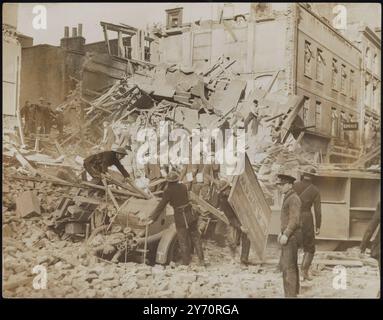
point(363, 30)
point(312, 57)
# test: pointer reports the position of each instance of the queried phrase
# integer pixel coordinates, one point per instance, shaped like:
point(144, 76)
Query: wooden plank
point(131, 183)
point(105, 29)
point(110, 194)
point(208, 207)
point(249, 203)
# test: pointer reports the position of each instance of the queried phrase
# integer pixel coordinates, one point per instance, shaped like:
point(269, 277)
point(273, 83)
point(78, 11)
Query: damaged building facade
point(305, 50)
point(65, 62)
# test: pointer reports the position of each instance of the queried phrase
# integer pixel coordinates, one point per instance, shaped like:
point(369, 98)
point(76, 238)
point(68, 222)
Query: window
point(305, 111)
point(174, 18)
point(374, 96)
point(147, 50)
point(367, 93)
point(126, 42)
point(318, 116)
point(308, 59)
point(334, 76)
point(334, 122)
point(368, 58)
point(343, 79)
point(320, 65)
point(352, 85)
point(375, 64)
point(343, 119)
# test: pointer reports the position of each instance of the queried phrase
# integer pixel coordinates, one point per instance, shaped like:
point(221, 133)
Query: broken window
point(308, 59)
point(318, 115)
point(343, 79)
point(334, 122)
point(320, 65)
point(126, 42)
point(334, 76)
point(147, 50)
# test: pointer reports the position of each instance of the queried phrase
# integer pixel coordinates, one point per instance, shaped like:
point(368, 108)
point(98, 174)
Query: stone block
point(28, 205)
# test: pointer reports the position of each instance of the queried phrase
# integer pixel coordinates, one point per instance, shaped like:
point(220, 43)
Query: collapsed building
point(121, 87)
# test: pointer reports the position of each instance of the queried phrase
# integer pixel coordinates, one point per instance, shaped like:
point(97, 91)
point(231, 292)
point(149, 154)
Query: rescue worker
point(374, 226)
point(237, 232)
point(41, 110)
point(28, 112)
point(99, 163)
point(49, 117)
point(185, 219)
point(310, 196)
point(60, 120)
point(289, 236)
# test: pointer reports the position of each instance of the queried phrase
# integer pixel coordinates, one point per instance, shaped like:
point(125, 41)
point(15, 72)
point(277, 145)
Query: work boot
point(306, 263)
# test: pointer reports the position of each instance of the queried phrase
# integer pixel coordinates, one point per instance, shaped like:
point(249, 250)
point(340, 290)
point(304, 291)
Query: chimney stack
point(66, 32)
point(79, 29)
point(74, 32)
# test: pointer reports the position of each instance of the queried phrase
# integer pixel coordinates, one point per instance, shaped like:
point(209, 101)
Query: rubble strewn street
point(145, 169)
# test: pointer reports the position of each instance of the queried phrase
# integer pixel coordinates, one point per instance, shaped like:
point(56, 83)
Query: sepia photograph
point(191, 150)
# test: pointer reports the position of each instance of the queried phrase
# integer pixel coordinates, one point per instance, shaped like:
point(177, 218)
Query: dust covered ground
point(73, 273)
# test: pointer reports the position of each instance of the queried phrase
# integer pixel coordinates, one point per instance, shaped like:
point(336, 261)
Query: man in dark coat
point(238, 232)
point(288, 238)
point(99, 163)
point(28, 112)
point(176, 194)
point(310, 196)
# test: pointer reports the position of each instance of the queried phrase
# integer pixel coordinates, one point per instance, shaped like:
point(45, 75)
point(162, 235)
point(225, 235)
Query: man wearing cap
point(99, 163)
point(238, 232)
point(290, 224)
point(310, 196)
point(176, 194)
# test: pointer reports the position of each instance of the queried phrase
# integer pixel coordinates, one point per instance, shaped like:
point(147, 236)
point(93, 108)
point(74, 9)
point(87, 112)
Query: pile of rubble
point(89, 236)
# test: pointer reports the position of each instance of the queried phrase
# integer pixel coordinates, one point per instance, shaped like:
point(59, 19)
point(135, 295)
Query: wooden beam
point(106, 37)
point(208, 207)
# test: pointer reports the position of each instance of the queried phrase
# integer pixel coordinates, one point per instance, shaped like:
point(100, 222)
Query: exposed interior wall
point(42, 74)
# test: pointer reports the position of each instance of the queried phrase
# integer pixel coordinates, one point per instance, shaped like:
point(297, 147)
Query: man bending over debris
point(185, 219)
point(237, 230)
point(99, 163)
point(289, 236)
